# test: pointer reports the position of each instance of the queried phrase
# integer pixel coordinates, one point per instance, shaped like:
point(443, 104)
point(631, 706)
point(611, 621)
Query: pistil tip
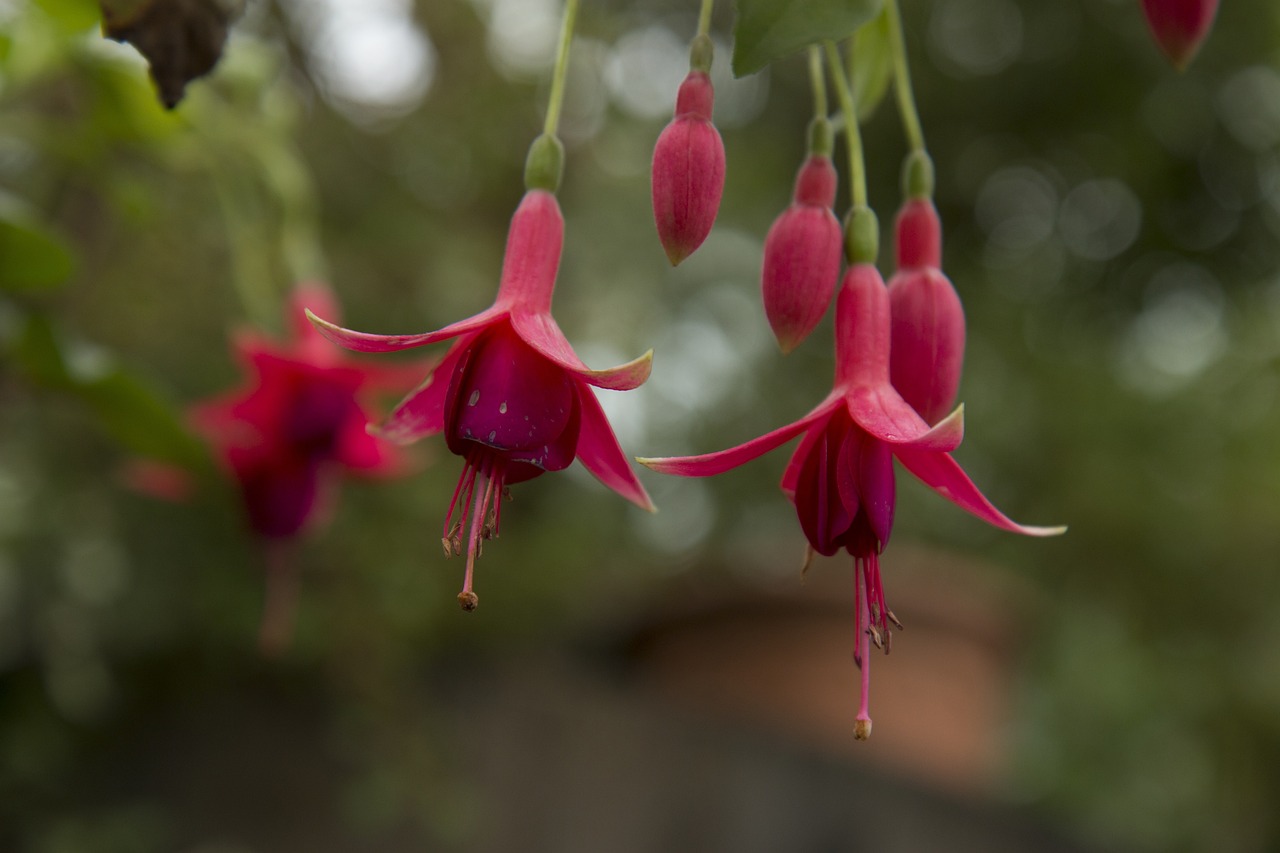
point(862, 728)
point(469, 600)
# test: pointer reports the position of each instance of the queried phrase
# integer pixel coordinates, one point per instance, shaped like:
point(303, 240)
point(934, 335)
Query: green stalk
point(902, 79)
point(552, 123)
point(857, 168)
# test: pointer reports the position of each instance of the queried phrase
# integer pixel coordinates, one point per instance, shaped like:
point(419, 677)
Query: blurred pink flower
point(688, 171)
point(840, 479)
point(286, 438)
point(1180, 26)
point(511, 397)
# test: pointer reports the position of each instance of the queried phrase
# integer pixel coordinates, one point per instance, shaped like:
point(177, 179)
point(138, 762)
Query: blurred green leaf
point(30, 257)
point(129, 409)
point(139, 419)
point(71, 15)
point(871, 65)
point(768, 30)
point(37, 352)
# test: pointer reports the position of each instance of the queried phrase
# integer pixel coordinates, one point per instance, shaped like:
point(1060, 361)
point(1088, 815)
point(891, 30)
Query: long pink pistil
point(862, 723)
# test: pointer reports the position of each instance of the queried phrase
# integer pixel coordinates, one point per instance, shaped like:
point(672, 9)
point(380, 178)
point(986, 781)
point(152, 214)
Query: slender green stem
point(818, 81)
point(857, 170)
point(704, 17)
point(562, 67)
point(902, 79)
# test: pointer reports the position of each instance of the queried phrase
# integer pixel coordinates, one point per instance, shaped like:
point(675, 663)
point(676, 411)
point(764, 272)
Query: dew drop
point(493, 434)
point(502, 409)
point(475, 397)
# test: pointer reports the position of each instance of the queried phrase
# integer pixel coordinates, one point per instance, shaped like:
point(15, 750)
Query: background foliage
point(1113, 227)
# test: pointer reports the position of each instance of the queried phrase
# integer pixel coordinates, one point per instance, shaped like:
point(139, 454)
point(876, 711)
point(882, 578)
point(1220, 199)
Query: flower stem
point(704, 17)
point(552, 123)
point(902, 79)
point(857, 169)
point(818, 81)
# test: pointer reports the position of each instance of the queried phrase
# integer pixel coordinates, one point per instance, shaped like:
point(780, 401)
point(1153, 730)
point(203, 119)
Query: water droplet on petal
point(502, 409)
point(475, 397)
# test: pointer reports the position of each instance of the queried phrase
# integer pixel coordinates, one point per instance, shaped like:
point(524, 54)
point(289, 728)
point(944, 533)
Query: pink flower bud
point(1179, 26)
point(927, 320)
point(802, 256)
point(688, 171)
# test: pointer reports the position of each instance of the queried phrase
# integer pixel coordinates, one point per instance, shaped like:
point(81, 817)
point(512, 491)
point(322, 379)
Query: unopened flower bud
point(802, 256)
point(1180, 26)
point(927, 320)
point(688, 171)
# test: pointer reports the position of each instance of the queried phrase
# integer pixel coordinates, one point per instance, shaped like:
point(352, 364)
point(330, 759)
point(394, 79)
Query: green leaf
point(140, 420)
point(767, 30)
point(871, 65)
point(30, 257)
point(137, 417)
point(37, 353)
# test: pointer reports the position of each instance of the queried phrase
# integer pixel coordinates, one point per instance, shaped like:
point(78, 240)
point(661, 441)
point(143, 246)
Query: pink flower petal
point(421, 413)
point(541, 332)
point(940, 472)
point(883, 413)
point(365, 342)
point(599, 452)
point(710, 464)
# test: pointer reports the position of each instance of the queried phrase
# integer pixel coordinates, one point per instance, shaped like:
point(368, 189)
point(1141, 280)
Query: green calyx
point(917, 175)
point(544, 166)
point(701, 53)
point(821, 138)
point(861, 236)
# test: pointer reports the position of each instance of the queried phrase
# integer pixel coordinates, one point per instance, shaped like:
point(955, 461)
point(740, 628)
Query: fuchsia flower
point(840, 479)
point(688, 171)
point(511, 397)
point(1180, 26)
point(299, 422)
point(288, 435)
point(802, 256)
point(927, 318)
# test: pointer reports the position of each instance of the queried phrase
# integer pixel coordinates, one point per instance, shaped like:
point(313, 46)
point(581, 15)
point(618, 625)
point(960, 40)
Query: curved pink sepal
point(541, 332)
point(366, 342)
point(599, 452)
point(421, 412)
point(710, 464)
point(943, 474)
point(882, 412)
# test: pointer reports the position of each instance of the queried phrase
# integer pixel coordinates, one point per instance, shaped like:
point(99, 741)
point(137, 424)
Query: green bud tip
point(821, 139)
point(545, 164)
point(701, 53)
point(861, 236)
point(917, 175)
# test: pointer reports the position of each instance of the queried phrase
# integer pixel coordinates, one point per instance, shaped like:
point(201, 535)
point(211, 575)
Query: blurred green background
point(638, 682)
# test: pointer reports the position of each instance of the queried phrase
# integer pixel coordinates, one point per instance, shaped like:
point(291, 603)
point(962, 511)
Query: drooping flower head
point(510, 395)
point(840, 478)
point(802, 255)
point(287, 436)
point(927, 318)
point(1180, 26)
point(688, 170)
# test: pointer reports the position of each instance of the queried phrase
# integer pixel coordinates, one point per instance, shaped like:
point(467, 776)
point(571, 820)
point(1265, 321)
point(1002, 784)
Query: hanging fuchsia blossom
point(511, 397)
point(300, 421)
point(927, 318)
point(1180, 26)
point(802, 256)
point(840, 478)
point(688, 171)
point(288, 436)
